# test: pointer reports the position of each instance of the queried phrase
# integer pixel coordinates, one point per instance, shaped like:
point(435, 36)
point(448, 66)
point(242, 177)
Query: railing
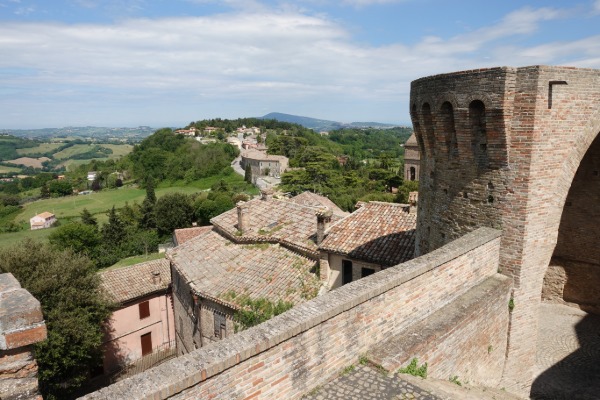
point(159, 354)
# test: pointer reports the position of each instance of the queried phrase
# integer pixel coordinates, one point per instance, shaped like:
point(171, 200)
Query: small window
point(346, 271)
point(144, 309)
point(367, 271)
point(220, 324)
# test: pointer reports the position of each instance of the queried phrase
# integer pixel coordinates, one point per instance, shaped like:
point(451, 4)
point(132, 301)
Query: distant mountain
point(88, 132)
point(323, 124)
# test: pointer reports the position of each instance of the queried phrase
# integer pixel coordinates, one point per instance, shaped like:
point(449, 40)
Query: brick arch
point(428, 126)
point(447, 98)
point(414, 116)
point(485, 98)
point(447, 127)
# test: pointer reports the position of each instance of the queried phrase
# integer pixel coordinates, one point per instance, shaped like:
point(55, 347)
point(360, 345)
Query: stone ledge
point(21, 319)
point(397, 351)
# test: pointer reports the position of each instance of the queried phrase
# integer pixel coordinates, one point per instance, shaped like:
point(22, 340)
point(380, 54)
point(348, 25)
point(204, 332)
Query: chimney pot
point(323, 220)
point(156, 279)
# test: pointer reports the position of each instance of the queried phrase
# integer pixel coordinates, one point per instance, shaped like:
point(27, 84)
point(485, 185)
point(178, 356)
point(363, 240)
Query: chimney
point(266, 194)
point(156, 279)
point(242, 224)
point(413, 199)
point(323, 220)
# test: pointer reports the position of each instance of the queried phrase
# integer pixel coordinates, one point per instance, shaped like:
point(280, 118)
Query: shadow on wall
point(577, 376)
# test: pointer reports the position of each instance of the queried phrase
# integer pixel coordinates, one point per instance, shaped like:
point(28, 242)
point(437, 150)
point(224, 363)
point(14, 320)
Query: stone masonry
point(500, 147)
point(21, 326)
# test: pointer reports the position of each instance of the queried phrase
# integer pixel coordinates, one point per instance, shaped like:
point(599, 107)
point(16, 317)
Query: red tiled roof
point(215, 268)
point(311, 199)
point(184, 234)
point(382, 233)
point(135, 281)
point(274, 220)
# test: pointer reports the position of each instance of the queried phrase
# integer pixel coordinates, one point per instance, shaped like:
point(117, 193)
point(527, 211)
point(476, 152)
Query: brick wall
point(539, 122)
point(21, 326)
point(304, 347)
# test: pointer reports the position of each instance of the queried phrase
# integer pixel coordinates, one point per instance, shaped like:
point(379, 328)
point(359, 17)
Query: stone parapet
point(306, 346)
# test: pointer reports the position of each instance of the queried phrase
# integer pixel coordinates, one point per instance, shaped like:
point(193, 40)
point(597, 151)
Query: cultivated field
point(42, 148)
point(29, 162)
point(5, 170)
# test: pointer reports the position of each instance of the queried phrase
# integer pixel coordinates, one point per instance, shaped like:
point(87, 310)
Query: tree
point(74, 308)
point(248, 174)
point(172, 211)
point(113, 232)
point(147, 216)
point(87, 218)
point(80, 237)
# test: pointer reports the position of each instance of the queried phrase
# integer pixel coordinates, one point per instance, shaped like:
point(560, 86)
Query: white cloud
point(250, 61)
point(596, 7)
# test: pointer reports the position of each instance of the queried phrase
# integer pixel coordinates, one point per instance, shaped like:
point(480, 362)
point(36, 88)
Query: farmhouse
point(42, 221)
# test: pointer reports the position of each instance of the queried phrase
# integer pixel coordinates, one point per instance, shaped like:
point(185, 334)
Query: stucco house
point(143, 322)
point(42, 221)
point(375, 236)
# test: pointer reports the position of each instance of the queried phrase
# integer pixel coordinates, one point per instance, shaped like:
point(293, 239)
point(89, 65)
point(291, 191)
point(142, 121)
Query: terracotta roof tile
point(378, 232)
point(184, 234)
point(215, 267)
point(311, 199)
point(134, 281)
point(274, 220)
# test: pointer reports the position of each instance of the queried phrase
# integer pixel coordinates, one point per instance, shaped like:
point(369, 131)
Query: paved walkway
point(367, 383)
point(568, 355)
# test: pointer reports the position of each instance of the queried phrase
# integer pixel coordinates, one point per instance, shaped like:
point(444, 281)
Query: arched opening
point(413, 174)
point(478, 133)
point(428, 125)
point(569, 340)
point(417, 126)
point(447, 120)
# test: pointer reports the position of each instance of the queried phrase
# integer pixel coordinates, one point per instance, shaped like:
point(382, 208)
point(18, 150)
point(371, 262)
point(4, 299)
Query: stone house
point(412, 159)
point(42, 221)
point(262, 164)
point(143, 322)
point(376, 236)
point(264, 248)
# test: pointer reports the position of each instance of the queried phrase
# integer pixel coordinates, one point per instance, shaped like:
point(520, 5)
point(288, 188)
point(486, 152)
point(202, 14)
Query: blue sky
point(169, 62)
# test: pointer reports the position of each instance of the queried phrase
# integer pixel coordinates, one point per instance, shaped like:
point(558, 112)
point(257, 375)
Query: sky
point(122, 63)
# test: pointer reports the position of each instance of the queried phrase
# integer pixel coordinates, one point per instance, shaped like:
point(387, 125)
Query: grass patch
point(12, 238)
point(73, 150)
point(6, 170)
point(414, 370)
point(136, 260)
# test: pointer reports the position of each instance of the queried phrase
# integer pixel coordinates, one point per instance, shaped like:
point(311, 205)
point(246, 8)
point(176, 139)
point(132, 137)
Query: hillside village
point(279, 293)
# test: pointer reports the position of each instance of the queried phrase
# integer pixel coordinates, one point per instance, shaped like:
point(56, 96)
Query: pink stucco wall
point(125, 329)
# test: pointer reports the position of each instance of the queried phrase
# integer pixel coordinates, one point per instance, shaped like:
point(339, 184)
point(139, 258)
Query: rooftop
point(129, 283)
point(311, 199)
point(273, 220)
point(378, 232)
point(221, 270)
point(412, 141)
point(184, 234)
point(261, 155)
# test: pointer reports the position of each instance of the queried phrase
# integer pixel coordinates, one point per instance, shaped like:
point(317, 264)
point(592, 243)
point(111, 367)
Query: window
point(413, 174)
point(146, 342)
point(144, 309)
point(346, 271)
point(220, 324)
point(367, 272)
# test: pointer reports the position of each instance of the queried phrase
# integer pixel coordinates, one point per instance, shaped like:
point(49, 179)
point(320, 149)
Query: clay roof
point(412, 141)
point(311, 199)
point(184, 234)
point(261, 155)
point(134, 281)
point(45, 215)
point(382, 233)
point(273, 220)
point(217, 268)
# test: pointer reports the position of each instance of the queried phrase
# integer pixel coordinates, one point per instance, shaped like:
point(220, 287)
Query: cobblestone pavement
point(568, 355)
point(366, 383)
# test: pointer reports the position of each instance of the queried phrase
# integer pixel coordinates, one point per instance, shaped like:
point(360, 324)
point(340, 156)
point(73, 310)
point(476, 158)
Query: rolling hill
point(323, 124)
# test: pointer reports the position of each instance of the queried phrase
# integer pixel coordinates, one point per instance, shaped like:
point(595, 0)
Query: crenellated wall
point(521, 134)
point(293, 353)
